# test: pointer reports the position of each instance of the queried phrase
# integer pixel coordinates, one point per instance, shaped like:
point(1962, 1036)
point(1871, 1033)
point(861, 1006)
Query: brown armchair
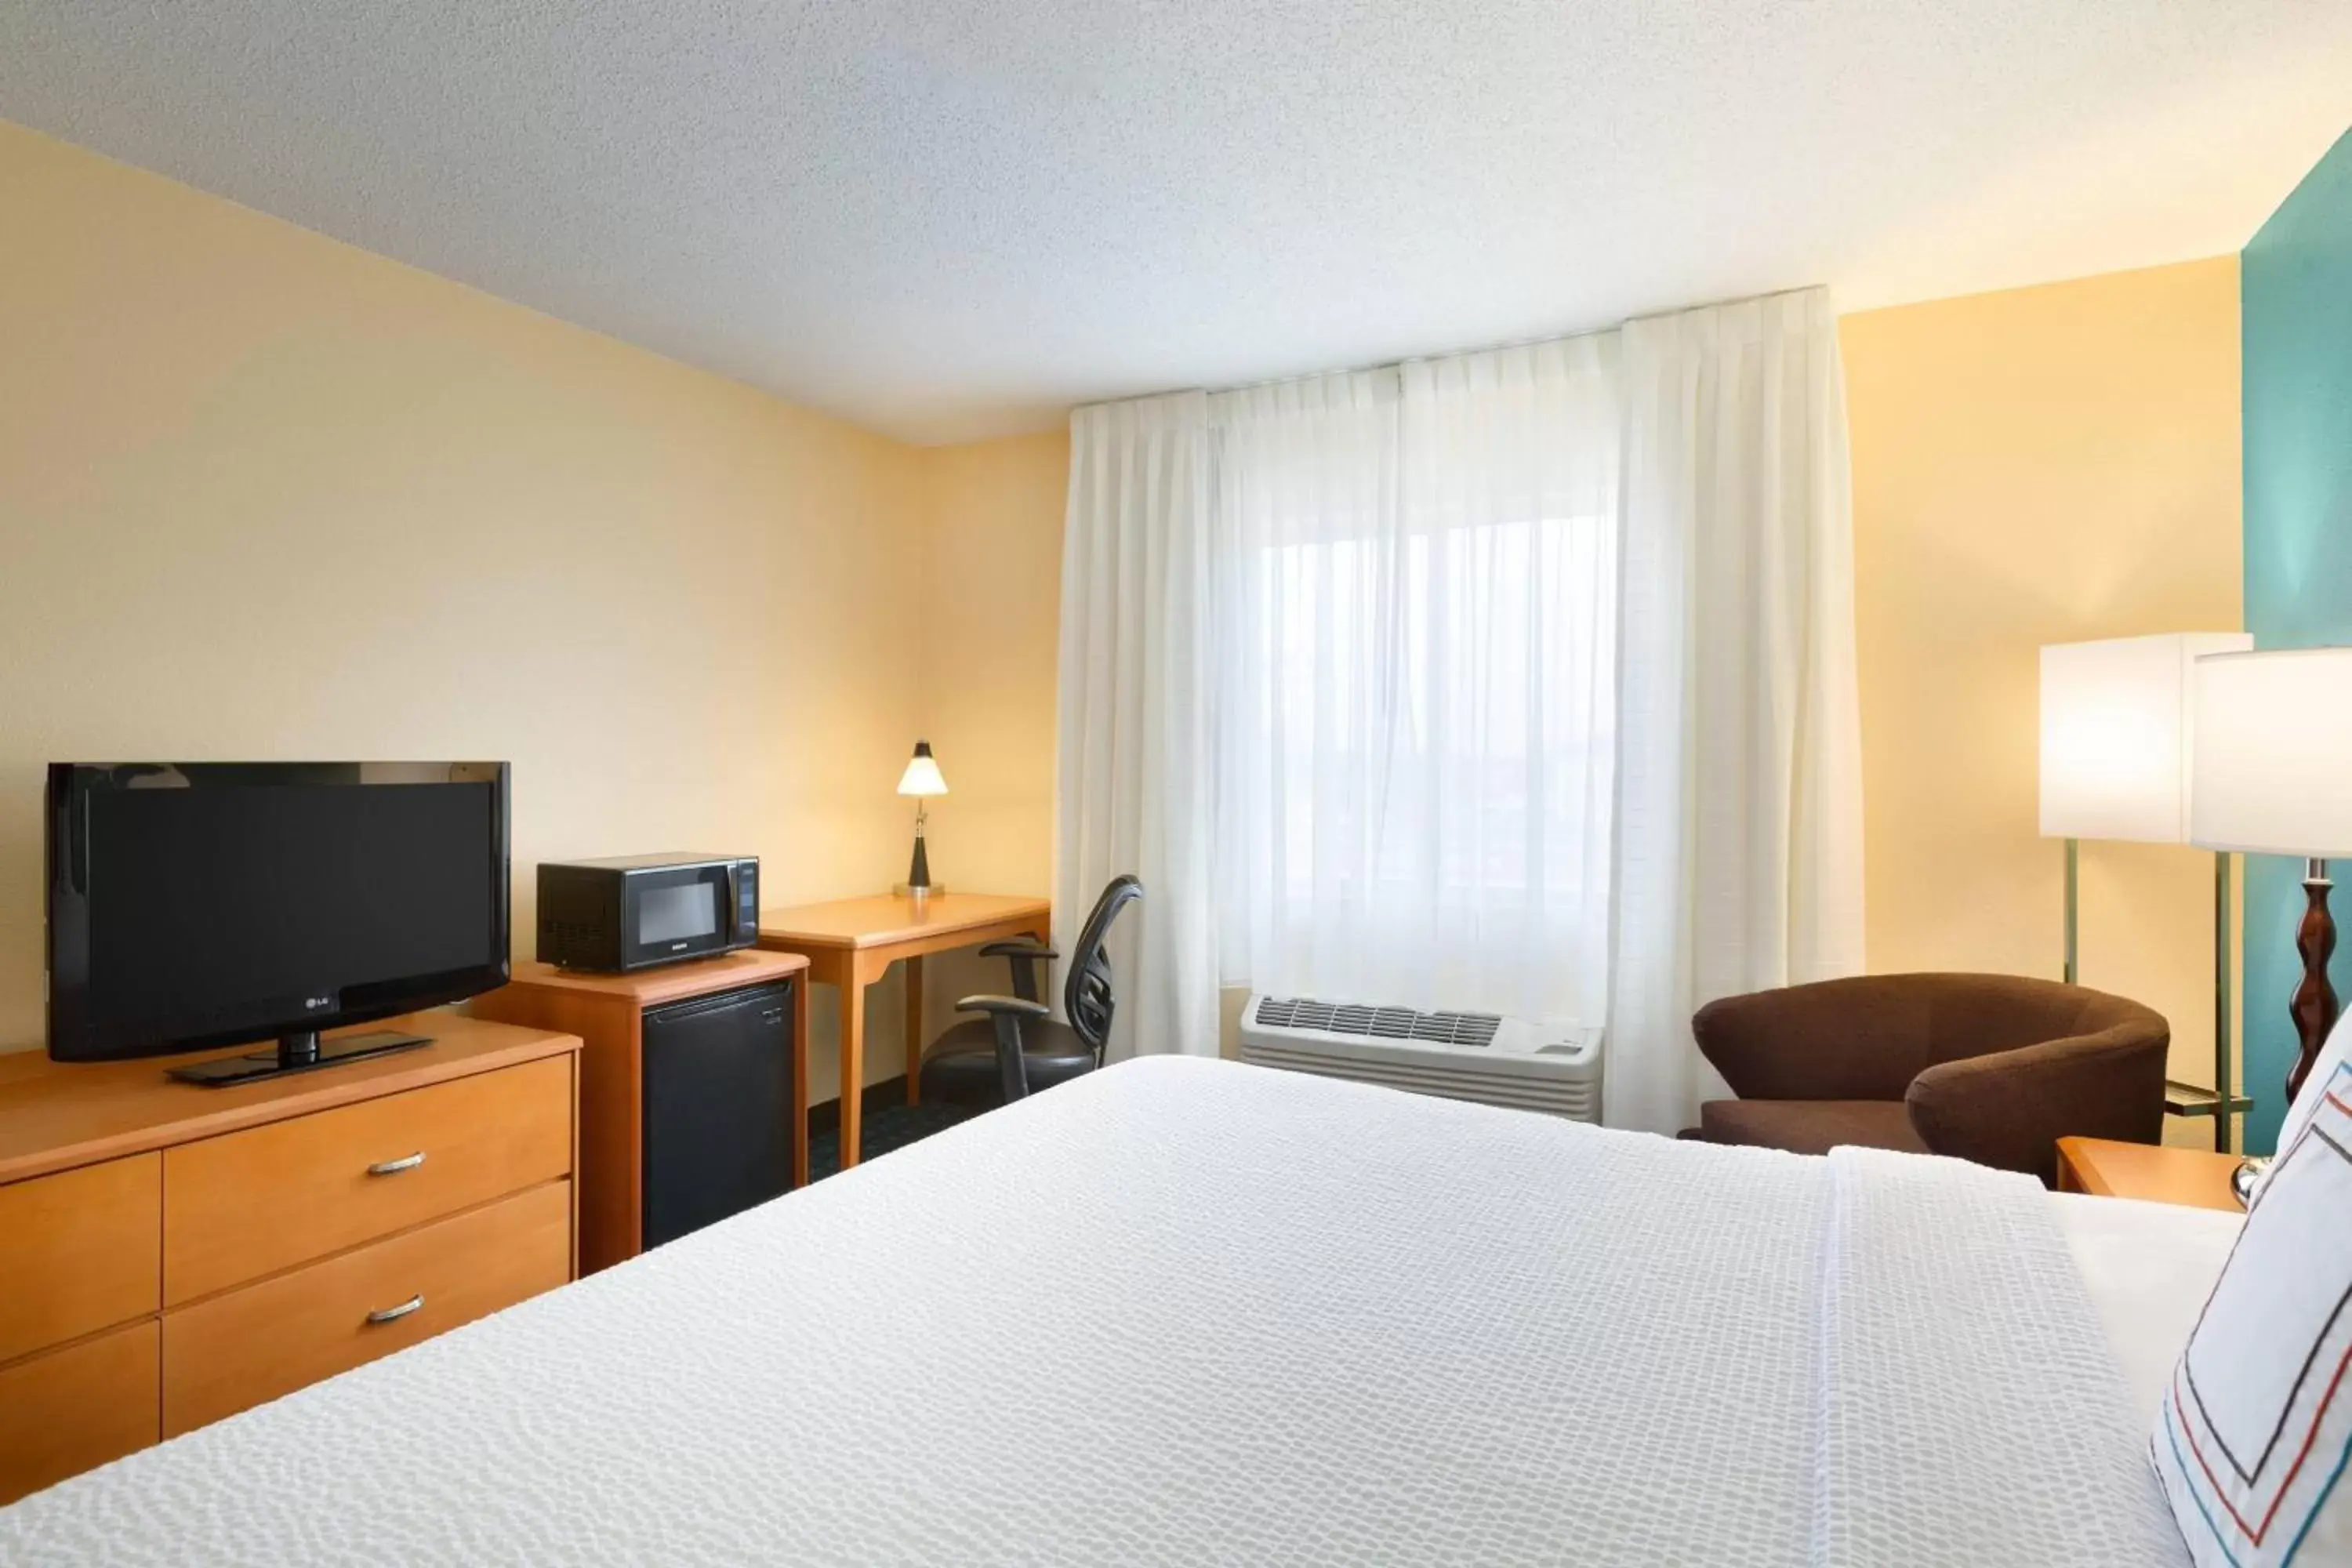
point(1991, 1067)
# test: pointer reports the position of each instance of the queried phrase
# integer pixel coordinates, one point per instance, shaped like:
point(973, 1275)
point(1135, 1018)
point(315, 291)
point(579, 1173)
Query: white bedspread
point(2148, 1269)
point(1193, 1312)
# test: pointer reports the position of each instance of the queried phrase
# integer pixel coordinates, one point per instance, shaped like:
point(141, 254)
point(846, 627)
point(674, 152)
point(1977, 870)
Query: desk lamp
point(922, 780)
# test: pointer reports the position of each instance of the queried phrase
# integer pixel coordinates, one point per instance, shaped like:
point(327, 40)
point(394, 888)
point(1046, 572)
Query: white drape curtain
point(1134, 778)
point(1414, 633)
point(1738, 862)
point(1521, 680)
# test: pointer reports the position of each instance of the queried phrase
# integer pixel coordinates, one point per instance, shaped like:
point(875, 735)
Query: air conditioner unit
point(1481, 1056)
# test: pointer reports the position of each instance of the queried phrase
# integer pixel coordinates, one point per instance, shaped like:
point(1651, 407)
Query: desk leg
point(801, 984)
point(853, 1056)
point(915, 1030)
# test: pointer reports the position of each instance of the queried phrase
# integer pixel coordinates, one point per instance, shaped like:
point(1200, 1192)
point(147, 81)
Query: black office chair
point(1017, 1047)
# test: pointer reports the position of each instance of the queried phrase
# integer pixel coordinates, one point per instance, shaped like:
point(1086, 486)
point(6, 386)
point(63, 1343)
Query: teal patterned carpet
point(885, 1131)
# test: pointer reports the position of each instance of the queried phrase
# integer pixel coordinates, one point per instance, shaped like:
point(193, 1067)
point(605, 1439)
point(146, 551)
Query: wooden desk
point(2195, 1178)
point(851, 942)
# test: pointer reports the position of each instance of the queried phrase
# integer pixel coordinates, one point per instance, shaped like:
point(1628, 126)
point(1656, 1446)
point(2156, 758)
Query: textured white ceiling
point(953, 219)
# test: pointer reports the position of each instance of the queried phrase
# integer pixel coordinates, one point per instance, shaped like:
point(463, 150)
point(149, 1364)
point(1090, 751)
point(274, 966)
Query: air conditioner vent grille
point(1378, 1023)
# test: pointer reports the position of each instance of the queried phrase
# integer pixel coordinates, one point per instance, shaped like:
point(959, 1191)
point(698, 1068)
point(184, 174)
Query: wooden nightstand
point(2193, 1177)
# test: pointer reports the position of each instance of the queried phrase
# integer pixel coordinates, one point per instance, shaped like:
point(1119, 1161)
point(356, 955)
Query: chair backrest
point(1086, 995)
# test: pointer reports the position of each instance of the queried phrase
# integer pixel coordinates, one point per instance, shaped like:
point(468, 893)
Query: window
point(1415, 705)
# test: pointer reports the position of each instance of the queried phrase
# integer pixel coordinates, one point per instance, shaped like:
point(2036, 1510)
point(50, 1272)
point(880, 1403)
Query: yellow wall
point(992, 613)
point(2042, 465)
point(265, 495)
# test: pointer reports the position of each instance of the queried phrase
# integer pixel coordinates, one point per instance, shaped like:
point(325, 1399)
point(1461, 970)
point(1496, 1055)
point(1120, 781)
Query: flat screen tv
point(202, 904)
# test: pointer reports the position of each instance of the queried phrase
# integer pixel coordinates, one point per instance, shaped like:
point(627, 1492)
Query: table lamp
point(2116, 728)
point(922, 781)
point(2273, 762)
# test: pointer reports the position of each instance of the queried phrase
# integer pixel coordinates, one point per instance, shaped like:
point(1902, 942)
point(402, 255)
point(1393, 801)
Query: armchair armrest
point(1006, 1013)
point(2008, 1109)
point(1017, 1006)
point(1024, 956)
point(1018, 947)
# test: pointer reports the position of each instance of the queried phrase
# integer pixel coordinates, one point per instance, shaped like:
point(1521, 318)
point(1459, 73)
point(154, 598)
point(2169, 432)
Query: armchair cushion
point(1809, 1126)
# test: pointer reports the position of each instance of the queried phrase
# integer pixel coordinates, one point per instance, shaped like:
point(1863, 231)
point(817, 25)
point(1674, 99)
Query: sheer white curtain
point(1133, 783)
point(1738, 860)
point(1520, 680)
point(1414, 582)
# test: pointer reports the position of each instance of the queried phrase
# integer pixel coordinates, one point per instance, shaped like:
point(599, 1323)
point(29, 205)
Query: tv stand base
point(297, 1053)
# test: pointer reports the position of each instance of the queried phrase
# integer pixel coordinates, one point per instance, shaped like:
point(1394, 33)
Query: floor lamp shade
point(2273, 766)
point(2117, 731)
point(2118, 727)
point(2273, 753)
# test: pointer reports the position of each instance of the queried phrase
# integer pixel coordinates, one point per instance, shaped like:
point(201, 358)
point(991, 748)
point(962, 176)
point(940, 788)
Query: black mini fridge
point(718, 1085)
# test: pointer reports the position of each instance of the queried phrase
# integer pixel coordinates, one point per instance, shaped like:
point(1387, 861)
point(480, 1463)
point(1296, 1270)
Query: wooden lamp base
point(2314, 1007)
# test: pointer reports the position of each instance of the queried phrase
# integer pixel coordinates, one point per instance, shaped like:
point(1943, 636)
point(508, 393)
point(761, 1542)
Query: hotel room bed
point(2147, 1269)
point(1194, 1312)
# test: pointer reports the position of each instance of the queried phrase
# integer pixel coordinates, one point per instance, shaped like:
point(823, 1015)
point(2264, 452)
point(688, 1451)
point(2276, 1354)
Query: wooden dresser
point(171, 1255)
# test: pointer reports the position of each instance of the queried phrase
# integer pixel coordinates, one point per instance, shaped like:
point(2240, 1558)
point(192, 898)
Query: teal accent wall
point(2295, 294)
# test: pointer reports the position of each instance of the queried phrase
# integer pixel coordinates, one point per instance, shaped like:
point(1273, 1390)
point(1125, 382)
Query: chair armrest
point(1022, 956)
point(1018, 1006)
point(1019, 947)
point(2008, 1109)
point(1006, 1013)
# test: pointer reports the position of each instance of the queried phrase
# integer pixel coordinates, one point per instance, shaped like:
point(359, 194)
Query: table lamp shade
point(2273, 753)
point(2118, 728)
point(922, 776)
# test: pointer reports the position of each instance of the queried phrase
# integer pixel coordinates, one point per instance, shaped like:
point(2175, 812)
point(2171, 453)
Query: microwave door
point(676, 914)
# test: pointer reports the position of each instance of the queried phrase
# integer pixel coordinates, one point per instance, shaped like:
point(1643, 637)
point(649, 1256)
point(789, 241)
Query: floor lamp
point(2273, 766)
point(2118, 726)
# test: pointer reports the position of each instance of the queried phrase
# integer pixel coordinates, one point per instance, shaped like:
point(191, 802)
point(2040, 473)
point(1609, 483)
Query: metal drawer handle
point(393, 1167)
point(392, 1314)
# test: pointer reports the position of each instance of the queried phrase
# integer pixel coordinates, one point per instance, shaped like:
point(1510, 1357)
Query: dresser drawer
point(235, 1350)
point(66, 1411)
point(249, 1204)
point(78, 1252)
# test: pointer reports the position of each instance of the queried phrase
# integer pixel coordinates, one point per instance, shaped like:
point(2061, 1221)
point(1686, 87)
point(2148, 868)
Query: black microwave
point(636, 910)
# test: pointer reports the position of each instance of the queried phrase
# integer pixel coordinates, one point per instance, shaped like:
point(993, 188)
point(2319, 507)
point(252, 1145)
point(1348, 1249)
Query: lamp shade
point(2273, 753)
point(2118, 728)
point(922, 774)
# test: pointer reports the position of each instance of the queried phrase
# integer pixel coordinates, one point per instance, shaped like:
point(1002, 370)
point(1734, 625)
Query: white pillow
point(2256, 1427)
point(2334, 1054)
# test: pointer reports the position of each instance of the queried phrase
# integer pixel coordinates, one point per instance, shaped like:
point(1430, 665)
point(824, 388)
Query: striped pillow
point(2257, 1422)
